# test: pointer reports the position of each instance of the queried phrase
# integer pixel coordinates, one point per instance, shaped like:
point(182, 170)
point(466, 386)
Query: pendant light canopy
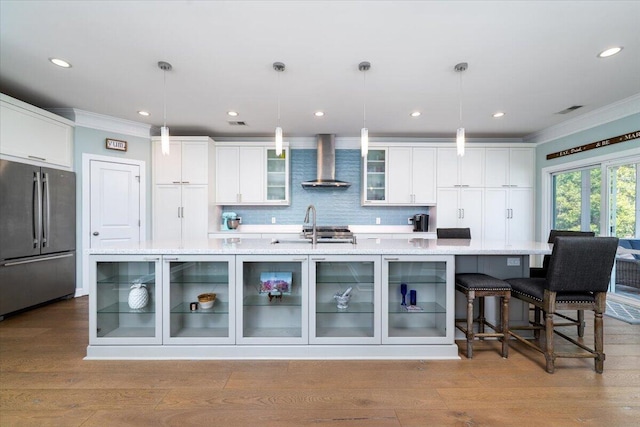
point(164, 130)
point(460, 138)
point(279, 67)
point(364, 132)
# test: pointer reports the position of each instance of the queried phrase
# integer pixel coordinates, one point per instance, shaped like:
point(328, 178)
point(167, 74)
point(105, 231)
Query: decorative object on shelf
point(138, 295)
point(413, 308)
point(275, 283)
point(164, 130)
point(413, 297)
point(403, 291)
point(460, 138)
point(193, 306)
point(342, 298)
point(364, 132)
point(279, 67)
point(277, 296)
point(206, 300)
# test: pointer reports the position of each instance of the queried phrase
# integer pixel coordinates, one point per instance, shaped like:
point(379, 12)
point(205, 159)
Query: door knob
point(95, 233)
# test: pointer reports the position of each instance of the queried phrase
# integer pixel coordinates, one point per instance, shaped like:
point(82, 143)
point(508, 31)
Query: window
point(577, 199)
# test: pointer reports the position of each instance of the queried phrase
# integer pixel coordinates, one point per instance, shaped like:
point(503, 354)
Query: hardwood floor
point(45, 381)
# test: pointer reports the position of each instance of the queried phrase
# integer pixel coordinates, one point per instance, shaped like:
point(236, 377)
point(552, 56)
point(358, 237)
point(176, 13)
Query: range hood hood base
point(326, 176)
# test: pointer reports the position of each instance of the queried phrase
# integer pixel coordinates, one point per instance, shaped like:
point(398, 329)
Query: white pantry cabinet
point(509, 167)
point(460, 171)
point(461, 207)
point(251, 174)
point(181, 190)
point(509, 214)
point(34, 134)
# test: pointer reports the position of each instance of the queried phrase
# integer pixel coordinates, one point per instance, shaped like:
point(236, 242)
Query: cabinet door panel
point(522, 167)
point(166, 212)
point(227, 177)
point(399, 175)
point(471, 167)
point(447, 208)
point(495, 216)
point(497, 167)
point(447, 173)
point(195, 161)
point(194, 211)
point(167, 169)
point(471, 203)
point(252, 174)
point(521, 219)
point(423, 170)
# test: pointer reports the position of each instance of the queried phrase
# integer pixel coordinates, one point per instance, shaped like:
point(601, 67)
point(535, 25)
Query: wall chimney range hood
point(326, 176)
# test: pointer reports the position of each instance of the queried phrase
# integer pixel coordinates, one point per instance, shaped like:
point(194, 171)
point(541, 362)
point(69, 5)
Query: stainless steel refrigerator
point(37, 235)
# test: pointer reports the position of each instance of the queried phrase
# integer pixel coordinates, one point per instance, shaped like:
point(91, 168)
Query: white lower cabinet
point(354, 319)
point(271, 306)
point(461, 207)
point(509, 214)
point(417, 299)
point(120, 314)
point(184, 278)
point(180, 212)
point(273, 299)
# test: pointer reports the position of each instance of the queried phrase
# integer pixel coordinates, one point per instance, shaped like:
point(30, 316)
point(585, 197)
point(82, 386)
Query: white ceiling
point(531, 59)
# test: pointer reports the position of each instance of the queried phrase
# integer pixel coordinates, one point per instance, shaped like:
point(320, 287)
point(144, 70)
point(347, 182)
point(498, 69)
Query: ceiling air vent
point(570, 109)
point(237, 123)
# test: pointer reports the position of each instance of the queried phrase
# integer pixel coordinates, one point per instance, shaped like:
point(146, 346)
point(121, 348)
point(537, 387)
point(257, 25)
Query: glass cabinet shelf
point(354, 308)
point(427, 308)
point(219, 307)
point(123, 308)
point(263, 300)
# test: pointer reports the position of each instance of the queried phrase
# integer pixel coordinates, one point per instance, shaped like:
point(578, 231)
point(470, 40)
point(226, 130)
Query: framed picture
point(275, 283)
point(116, 144)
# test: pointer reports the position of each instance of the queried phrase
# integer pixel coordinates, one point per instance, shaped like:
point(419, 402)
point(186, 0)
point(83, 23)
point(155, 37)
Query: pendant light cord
point(164, 77)
point(364, 103)
point(460, 97)
point(279, 98)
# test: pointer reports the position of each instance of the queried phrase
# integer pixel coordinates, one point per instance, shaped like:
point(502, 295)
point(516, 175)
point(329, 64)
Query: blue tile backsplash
point(335, 206)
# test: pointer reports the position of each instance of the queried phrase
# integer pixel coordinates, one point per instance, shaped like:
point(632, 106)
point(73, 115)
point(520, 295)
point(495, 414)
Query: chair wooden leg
point(481, 318)
point(470, 298)
point(581, 323)
point(548, 348)
point(505, 325)
point(537, 320)
point(598, 331)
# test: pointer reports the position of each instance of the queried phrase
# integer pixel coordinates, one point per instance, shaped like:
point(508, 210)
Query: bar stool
point(477, 285)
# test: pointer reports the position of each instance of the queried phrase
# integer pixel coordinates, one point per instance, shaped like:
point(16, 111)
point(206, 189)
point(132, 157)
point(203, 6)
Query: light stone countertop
point(414, 246)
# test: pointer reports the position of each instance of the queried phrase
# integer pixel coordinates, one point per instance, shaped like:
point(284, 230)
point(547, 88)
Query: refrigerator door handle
point(47, 207)
point(37, 209)
point(29, 261)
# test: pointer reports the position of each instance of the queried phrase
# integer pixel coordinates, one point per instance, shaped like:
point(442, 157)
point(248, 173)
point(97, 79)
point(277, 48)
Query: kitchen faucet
point(314, 235)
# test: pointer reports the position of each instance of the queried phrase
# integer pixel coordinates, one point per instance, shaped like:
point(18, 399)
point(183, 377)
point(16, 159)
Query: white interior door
point(115, 204)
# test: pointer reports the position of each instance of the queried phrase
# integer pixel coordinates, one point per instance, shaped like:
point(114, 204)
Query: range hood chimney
point(326, 153)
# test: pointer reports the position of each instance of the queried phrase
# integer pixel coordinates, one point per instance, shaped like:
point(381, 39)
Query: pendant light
point(460, 139)
point(164, 130)
point(364, 132)
point(279, 67)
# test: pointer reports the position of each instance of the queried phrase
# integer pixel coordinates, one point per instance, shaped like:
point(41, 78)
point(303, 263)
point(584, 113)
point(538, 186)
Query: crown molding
point(102, 122)
point(601, 116)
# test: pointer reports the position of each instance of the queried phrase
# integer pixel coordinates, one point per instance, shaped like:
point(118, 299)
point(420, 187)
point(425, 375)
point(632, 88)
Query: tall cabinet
point(460, 189)
point(509, 194)
point(181, 189)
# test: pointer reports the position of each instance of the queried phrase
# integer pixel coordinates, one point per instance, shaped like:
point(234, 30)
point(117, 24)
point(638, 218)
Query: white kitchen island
point(252, 318)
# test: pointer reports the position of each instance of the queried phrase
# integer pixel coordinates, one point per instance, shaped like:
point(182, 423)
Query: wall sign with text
point(593, 145)
point(116, 144)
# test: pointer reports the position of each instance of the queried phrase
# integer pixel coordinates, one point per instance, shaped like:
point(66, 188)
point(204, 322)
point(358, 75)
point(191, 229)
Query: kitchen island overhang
point(301, 324)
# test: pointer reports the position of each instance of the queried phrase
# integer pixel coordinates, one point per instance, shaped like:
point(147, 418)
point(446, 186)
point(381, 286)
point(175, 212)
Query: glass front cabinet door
point(344, 299)
point(277, 176)
point(272, 299)
point(188, 320)
point(375, 177)
point(418, 299)
point(125, 300)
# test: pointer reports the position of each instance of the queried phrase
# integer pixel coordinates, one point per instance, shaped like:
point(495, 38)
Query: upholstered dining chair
point(578, 320)
point(577, 279)
point(478, 285)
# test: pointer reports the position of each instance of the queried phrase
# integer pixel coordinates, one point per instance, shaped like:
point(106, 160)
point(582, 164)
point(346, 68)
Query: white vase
point(138, 296)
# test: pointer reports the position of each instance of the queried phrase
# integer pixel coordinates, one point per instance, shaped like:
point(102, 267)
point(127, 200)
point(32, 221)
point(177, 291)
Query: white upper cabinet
point(402, 175)
point(460, 171)
point(186, 163)
point(34, 134)
point(509, 167)
point(251, 175)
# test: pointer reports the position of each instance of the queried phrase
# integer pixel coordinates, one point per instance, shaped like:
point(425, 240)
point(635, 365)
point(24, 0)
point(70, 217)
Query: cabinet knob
point(95, 233)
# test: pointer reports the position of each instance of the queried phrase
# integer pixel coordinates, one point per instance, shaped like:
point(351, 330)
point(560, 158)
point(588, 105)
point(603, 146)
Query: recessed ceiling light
point(60, 62)
point(498, 114)
point(609, 52)
point(415, 114)
point(144, 113)
point(319, 113)
point(232, 113)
